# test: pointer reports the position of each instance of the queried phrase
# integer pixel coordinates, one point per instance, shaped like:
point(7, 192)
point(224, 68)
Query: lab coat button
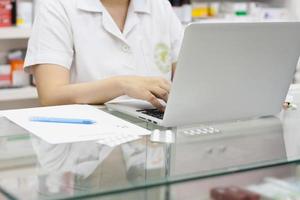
point(125, 48)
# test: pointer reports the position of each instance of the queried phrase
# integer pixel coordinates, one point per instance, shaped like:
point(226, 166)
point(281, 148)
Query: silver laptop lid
point(233, 71)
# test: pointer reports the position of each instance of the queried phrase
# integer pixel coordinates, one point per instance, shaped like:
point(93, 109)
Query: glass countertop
point(30, 168)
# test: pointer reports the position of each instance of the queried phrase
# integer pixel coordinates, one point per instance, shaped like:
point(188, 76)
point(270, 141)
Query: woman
point(92, 51)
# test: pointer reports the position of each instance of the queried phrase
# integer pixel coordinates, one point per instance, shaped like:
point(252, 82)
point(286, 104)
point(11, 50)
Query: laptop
point(226, 72)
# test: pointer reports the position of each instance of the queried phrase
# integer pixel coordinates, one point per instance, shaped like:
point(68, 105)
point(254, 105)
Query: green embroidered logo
point(162, 57)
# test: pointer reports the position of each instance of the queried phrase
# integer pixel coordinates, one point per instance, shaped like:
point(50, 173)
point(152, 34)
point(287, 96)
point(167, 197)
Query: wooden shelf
point(7, 33)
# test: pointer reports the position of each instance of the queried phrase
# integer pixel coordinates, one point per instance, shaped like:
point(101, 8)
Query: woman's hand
point(55, 89)
point(146, 88)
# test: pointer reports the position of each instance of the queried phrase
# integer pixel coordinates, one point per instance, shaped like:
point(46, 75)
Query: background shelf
point(18, 93)
point(14, 33)
point(14, 98)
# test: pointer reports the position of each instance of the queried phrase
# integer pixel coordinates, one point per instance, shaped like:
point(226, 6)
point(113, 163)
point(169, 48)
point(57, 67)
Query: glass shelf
point(33, 169)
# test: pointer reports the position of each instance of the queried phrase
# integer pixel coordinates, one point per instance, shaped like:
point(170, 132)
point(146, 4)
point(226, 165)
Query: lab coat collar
point(90, 5)
point(140, 6)
point(135, 8)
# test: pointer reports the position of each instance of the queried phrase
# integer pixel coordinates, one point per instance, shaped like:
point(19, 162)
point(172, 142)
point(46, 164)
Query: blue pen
point(62, 120)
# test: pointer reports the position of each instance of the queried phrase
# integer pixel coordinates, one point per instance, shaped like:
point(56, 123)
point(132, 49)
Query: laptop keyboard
point(153, 113)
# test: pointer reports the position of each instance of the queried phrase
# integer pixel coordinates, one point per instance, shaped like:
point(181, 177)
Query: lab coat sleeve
point(51, 41)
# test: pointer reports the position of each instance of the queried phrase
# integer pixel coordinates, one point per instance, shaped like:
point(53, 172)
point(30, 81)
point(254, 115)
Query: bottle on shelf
point(18, 77)
point(24, 16)
point(16, 13)
point(6, 8)
point(12, 74)
point(5, 76)
point(200, 10)
point(214, 9)
point(186, 11)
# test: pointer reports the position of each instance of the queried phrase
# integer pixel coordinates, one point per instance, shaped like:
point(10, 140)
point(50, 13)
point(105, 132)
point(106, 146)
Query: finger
point(160, 93)
point(154, 101)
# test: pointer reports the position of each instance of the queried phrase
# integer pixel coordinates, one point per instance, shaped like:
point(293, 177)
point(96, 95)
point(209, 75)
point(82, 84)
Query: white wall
point(294, 7)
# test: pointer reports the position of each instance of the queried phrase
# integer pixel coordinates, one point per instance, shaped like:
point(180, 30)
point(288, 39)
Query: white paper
point(106, 125)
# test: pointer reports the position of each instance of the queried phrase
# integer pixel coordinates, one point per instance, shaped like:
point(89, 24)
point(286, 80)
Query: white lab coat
point(81, 36)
